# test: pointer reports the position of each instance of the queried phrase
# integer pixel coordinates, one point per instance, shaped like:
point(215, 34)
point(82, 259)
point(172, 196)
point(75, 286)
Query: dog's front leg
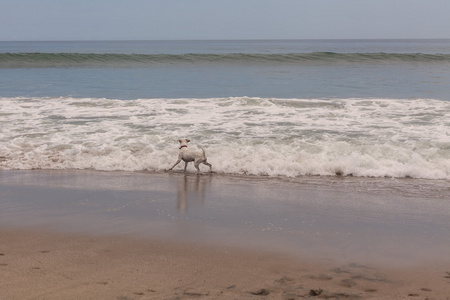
point(178, 161)
point(185, 165)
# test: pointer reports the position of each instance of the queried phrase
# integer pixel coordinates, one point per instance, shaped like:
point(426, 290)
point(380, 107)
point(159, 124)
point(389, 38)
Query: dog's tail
point(203, 150)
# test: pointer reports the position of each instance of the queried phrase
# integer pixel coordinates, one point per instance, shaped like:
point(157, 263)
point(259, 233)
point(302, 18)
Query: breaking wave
point(57, 60)
point(241, 135)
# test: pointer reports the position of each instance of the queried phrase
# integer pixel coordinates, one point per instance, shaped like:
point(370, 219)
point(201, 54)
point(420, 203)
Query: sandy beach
point(117, 235)
point(70, 266)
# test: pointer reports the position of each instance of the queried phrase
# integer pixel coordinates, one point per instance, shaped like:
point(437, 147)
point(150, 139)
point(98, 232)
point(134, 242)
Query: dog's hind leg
point(196, 164)
point(208, 164)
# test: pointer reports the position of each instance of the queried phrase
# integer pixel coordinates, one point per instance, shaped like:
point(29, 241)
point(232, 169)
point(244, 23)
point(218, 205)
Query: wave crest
point(57, 60)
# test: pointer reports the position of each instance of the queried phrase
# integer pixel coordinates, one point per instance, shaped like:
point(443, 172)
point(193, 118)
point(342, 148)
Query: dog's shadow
point(191, 191)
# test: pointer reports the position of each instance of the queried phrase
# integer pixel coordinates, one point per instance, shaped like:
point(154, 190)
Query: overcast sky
point(222, 19)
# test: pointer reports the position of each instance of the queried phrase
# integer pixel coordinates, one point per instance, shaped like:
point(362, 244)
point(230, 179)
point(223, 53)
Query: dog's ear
point(188, 140)
point(179, 141)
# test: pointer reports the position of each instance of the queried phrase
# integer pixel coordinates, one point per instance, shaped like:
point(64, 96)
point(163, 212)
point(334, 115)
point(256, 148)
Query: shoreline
point(221, 237)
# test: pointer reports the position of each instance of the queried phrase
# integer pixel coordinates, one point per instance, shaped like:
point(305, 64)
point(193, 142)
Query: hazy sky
point(222, 19)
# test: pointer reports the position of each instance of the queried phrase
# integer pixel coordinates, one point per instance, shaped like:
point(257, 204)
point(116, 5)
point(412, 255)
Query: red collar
point(183, 146)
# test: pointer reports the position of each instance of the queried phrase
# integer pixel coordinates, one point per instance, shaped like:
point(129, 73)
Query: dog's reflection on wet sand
point(191, 191)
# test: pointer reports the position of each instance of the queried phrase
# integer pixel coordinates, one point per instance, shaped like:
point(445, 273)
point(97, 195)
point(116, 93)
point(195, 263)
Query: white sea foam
point(259, 136)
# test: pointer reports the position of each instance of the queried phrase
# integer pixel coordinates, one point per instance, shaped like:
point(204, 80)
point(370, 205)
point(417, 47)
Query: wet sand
point(107, 235)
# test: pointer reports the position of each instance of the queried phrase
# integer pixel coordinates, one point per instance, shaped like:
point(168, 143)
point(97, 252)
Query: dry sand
point(37, 265)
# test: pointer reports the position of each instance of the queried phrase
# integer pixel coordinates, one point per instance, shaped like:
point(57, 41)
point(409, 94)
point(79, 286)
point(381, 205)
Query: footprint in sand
point(3, 264)
point(348, 283)
point(315, 293)
point(261, 292)
point(321, 277)
point(284, 280)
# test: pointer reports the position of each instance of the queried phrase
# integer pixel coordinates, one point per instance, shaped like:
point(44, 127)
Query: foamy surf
point(241, 135)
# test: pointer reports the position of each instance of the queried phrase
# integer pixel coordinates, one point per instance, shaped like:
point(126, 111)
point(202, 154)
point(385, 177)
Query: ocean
point(289, 108)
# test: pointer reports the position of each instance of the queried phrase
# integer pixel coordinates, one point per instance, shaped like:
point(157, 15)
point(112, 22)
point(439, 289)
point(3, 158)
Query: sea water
point(377, 108)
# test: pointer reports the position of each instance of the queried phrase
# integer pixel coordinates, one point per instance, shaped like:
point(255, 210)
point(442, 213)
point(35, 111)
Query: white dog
point(188, 155)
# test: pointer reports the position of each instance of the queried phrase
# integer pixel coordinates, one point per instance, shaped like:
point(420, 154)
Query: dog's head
point(184, 141)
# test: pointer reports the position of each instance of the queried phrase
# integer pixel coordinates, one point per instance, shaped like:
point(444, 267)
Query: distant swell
point(55, 60)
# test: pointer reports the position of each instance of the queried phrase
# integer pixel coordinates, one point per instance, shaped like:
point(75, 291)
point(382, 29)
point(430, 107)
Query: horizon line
point(223, 40)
